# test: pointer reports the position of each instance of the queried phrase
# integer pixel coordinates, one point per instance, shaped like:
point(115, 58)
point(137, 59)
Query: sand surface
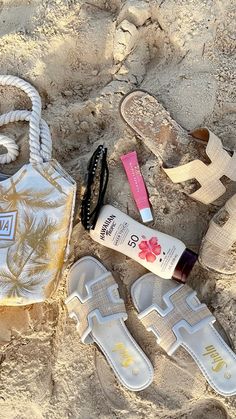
point(82, 57)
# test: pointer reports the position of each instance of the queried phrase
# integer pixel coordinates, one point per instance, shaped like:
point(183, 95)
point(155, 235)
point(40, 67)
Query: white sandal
point(177, 318)
point(100, 313)
point(189, 159)
point(217, 250)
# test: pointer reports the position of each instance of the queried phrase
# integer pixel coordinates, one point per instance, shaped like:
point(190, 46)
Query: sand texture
point(83, 57)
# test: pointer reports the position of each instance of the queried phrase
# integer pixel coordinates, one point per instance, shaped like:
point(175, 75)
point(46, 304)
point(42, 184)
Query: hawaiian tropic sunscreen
point(160, 253)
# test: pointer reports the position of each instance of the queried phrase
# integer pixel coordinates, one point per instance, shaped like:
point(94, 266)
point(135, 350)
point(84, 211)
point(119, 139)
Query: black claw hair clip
point(96, 186)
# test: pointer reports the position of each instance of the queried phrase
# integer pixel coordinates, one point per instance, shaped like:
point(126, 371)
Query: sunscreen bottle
point(160, 253)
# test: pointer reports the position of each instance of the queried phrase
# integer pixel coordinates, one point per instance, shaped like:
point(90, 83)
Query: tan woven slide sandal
point(177, 318)
point(218, 248)
point(201, 178)
point(95, 304)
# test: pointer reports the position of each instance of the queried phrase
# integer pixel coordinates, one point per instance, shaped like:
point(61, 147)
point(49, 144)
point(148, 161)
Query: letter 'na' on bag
point(36, 211)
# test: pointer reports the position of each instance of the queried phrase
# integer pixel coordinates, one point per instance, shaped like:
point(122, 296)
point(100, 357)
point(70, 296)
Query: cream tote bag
point(36, 211)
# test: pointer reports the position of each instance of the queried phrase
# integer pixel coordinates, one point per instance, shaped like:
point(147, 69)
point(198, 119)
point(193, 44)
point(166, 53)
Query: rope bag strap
point(40, 143)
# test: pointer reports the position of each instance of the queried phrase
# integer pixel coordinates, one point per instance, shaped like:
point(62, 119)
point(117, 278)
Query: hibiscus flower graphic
point(149, 249)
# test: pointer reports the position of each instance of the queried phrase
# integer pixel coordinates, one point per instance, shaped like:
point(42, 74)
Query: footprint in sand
point(208, 409)
point(109, 384)
point(19, 411)
point(16, 17)
point(17, 322)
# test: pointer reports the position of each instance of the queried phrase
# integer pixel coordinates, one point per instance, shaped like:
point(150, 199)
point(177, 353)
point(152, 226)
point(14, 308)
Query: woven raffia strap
point(179, 310)
point(222, 164)
point(39, 135)
point(103, 298)
point(224, 236)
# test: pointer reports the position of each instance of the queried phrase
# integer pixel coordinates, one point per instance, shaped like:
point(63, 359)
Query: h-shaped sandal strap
point(224, 235)
point(222, 164)
point(102, 301)
point(40, 143)
point(179, 313)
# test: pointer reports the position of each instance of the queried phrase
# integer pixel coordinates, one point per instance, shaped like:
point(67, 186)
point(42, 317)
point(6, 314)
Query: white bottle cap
point(146, 215)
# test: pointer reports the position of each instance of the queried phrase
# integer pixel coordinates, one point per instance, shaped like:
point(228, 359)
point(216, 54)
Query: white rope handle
point(12, 149)
point(40, 143)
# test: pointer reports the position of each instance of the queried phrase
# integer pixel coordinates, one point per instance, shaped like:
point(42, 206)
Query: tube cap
point(185, 265)
point(146, 215)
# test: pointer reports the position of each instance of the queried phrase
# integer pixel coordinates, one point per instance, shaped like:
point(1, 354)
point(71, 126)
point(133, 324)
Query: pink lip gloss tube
point(137, 185)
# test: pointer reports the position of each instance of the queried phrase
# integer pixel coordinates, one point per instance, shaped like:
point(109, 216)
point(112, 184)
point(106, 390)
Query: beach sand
point(83, 57)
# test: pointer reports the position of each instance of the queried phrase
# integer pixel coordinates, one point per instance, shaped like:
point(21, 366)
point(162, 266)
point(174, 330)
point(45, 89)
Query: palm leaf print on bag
point(28, 259)
point(48, 173)
point(11, 198)
point(58, 245)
